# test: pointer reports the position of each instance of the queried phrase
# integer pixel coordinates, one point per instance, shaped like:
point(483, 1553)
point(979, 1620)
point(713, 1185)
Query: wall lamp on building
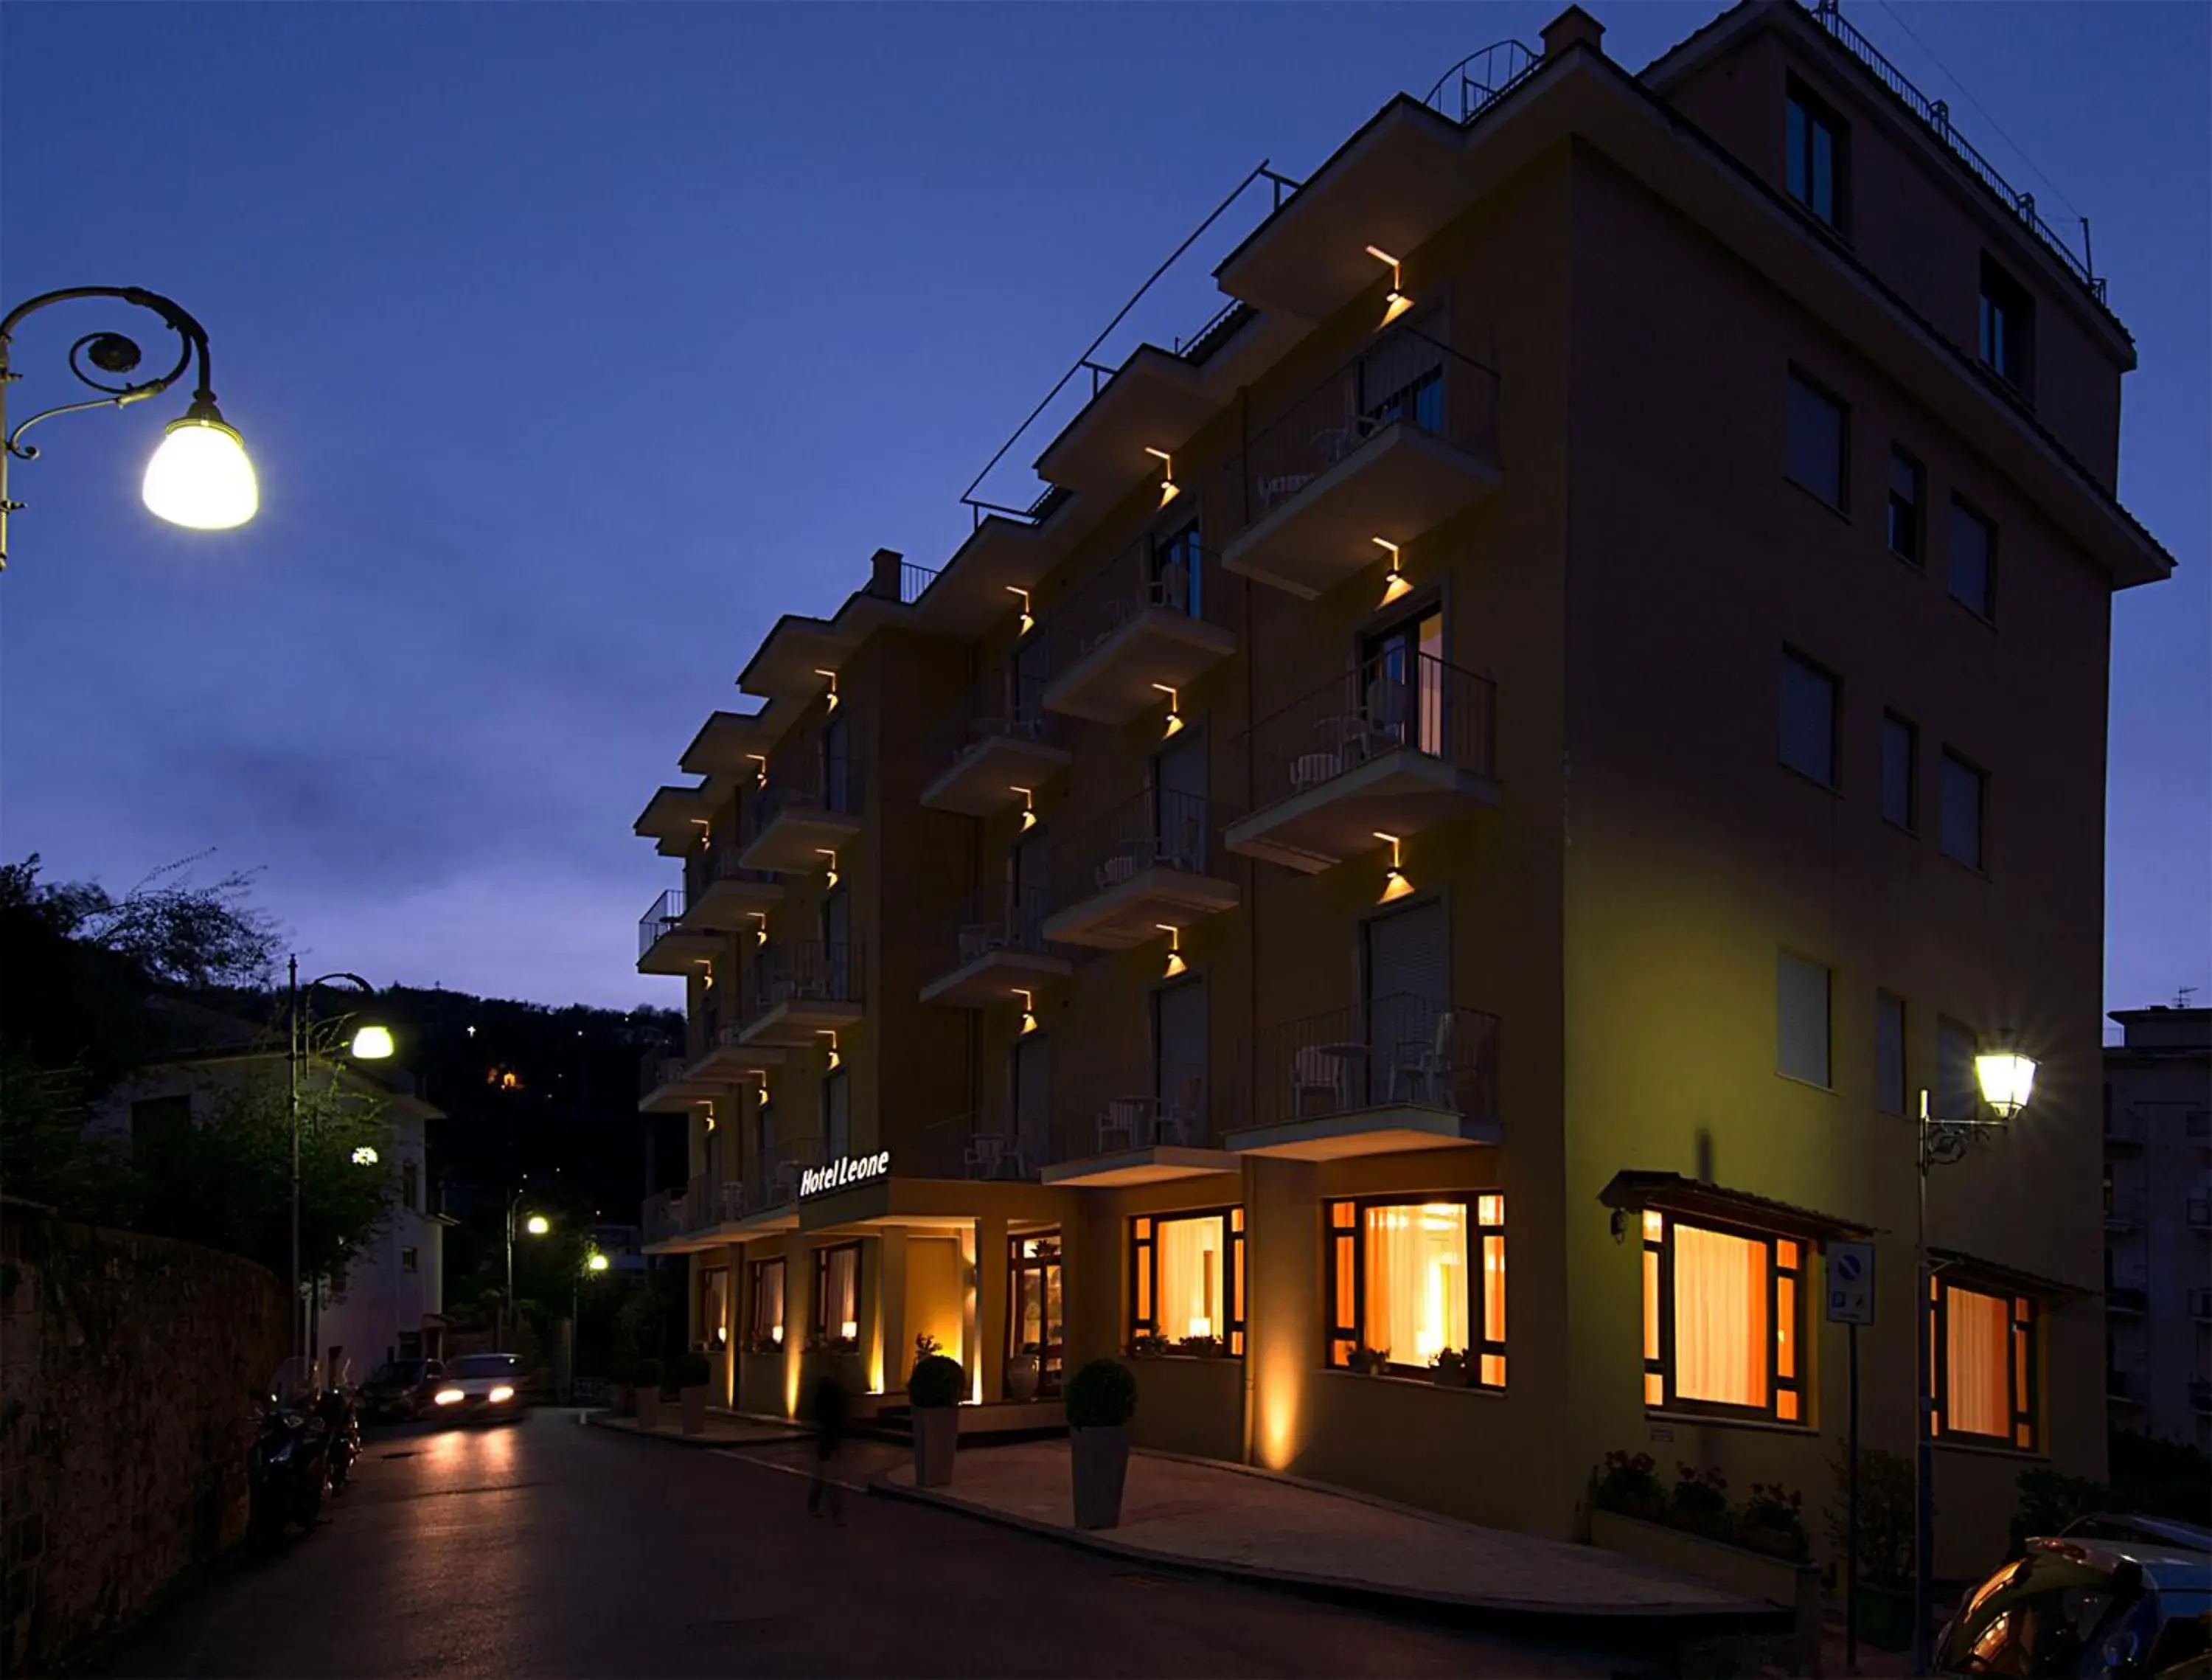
point(1168, 488)
point(371, 1041)
point(1395, 884)
point(1397, 303)
point(1176, 964)
point(1175, 710)
point(832, 676)
point(830, 875)
point(199, 476)
point(830, 1033)
point(760, 926)
point(1029, 1011)
point(760, 769)
point(1395, 586)
point(1028, 622)
point(1029, 806)
point(2006, 1079)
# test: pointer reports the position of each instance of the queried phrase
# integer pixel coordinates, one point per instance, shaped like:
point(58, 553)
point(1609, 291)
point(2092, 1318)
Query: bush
point(1885, 1514)
point(936, 1381)
point(1774, 1520)
point(2160, 1478)
point(648, 1373)
point(694, 1370)
point(1102, 1395)
point(1629, 1487)
point(1700, 1497)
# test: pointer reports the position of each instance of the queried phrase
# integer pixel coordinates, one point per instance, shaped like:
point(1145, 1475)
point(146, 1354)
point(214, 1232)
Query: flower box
point(1793, 1587)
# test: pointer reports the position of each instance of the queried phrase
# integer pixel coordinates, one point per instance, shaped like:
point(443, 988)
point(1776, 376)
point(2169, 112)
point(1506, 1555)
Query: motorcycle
point(288, 1468)
point(341, 1411)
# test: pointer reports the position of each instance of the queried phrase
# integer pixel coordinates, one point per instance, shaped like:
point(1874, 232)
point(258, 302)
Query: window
point(1984, 1364)
point(1032, 1097)
point(1801, 1005)
point(837, 1297)
point(1187, 1280)
point(714, 1330)
point(1177, 577)
point(1889, 1053)
point(1179, 1062)
point(1966, 795)
point(157, 1120)
point(408, 1261)
point(1411, 1279)
point(1973, 560)
point(1401, 680)
point(837, 778)
point(1908, 492)
point(837, 1116)
point(764, 1139)
point(1808, 719)
point(410, 1185)
point(1813, 170)
point(764, 1309)
point(2007, 317)
point(1722, 1320)
point(1816, 432)
point(1900, 770)
point(1958, 1093)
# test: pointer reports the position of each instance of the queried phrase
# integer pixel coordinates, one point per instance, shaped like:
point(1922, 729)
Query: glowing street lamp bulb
point(372, 1044)
point(596, 1262)
point(2007, 1080)
point(537, 1224)
point(200, 477)
point(364, 1156)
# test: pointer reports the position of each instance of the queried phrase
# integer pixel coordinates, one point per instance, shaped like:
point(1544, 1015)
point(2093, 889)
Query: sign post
point(1850, 1302)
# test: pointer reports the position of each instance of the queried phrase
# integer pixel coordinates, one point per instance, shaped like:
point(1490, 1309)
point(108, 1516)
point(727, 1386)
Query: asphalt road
point(546, 1548)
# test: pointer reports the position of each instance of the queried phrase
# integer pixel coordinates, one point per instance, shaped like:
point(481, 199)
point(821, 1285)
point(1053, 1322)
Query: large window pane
point(1963, 790)
point(1808, 720)
point(1192, 1270)
point(1816, 441)
point(1900, 753)
point(1417, 1280)
point(1720, 1317)
point(1973, 560)
point(1801, 1019)
point(1978, 1354)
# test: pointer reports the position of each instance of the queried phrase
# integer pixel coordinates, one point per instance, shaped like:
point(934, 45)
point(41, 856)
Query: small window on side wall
point(1801, 1026)
point(1815, 156)
point(1974, 561)
point(1808, 719)
point(1816, 440)
point(1966, 800)
point(2007, 322)
point(1985, 1371)
point(1908, 495)
point(1900, 771)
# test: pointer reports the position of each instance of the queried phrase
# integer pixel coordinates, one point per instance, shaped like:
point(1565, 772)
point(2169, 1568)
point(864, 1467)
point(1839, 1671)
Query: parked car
point(401, 1388)
point(481, 1388)
point(2088, 1609)
point(2139, 1530)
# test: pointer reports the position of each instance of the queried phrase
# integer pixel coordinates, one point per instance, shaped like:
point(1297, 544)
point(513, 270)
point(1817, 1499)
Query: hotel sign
point(839, 1174)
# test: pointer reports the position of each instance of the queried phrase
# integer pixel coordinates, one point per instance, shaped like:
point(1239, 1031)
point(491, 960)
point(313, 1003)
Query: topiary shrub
point(694, 1370)
point(936, 1381)
point(649, 1374)
point(1103, 1395)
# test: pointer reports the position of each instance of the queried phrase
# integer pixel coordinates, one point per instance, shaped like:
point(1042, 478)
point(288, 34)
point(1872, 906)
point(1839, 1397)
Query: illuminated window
point(1187, 1277)
point(713, 1331)
point(764, 1315)
point(1985, 1367)
point(1724, 1314)
point(837, 1295)
point(1412, 1280)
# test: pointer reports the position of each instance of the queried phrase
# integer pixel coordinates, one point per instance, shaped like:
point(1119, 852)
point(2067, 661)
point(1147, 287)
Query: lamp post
point(595, 1264)
point(371, 1043)
point(199, 477)
point(537, 1225)
point(2006, 1079)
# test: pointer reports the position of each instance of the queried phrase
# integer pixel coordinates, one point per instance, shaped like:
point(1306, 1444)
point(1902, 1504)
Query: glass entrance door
point(1034, 1326)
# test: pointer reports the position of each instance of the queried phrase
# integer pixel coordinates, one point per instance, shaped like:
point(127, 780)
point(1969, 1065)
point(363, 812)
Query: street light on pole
point(537, 1225)
point(2007, 1080)
point(199, 477)
point(370, 1043)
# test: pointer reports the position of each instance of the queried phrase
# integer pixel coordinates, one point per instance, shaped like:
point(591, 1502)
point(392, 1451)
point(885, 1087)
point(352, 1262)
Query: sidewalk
point(1227, 1519)
point(724, 1429)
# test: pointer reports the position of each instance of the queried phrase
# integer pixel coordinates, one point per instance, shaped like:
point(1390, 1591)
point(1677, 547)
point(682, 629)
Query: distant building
point(2158, 1223)
point(389, 1301)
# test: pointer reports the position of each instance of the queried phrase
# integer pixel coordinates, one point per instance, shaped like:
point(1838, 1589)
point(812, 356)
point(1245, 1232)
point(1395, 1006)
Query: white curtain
point(1191, 1276)
point(1417, 1280)
point(1977, 1348)
point(1720, 1317)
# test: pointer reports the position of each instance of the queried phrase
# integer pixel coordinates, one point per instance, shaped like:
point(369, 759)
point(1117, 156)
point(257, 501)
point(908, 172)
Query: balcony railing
point(663, 1216)
point(2200, 1306)
point(1141, 1103)
point(1147, 574)
point(1399, 1051)
point(667, 910)
point(1161, 829)
point(806, 971)
point(709, 1201)
point(1478, 81)
point(1005, 704)
point(1380, 705)
point(1004, 918)
point(2126, 1297)
point(656, 1069)
point(707, 867)
point(958, 1147)
point(835, 785)
point(787, 1158)
point(1151, 620)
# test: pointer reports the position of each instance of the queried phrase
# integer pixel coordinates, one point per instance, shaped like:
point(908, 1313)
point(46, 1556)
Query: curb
point(1515, 1615)
point(599, 1420)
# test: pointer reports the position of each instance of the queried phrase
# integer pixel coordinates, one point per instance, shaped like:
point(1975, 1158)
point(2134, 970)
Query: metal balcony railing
point(1004, 918)
point(1402, 1049)
point(2125, 1127)
point(1160, 829)
point(2198, 1212)
point(1173, 576)
point(2126, 1297)
point(812, 783)
point(787, 1158)
point(704, 868)
point(957, 1147)
point(663, 1216)
point(667, 910)
point(2200, 1306)
point(1478, 81)
point(1006, 703)
point(1136, 1102)
point(1403, 377)
point(806, 971)
point(656, 1069)
point(1378, 706)
point(710, 1200)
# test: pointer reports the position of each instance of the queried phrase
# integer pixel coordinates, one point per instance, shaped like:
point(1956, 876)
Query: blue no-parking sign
point(1851, 1283)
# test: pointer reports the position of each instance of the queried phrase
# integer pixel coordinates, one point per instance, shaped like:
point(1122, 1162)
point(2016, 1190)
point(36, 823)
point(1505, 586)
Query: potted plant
point(1700, 1504)
point(1449, 1368)
point(1102, 1398)
point(933, 1390)
point(1145, 1345)
point(1772, 1521)
point(1202, 1346)
point(1022, 1373)
point(1886, 1529)
point(925, 1344)
point(649, 1376)
point(1629, 1487)
point(694, 1371)
point(1370, 1361)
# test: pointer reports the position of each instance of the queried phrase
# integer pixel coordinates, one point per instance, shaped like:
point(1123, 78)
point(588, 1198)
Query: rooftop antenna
point(2181, 997)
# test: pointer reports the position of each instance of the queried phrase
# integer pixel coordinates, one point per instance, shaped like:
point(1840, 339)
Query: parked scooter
point(287, 1467)
point(340, 1412)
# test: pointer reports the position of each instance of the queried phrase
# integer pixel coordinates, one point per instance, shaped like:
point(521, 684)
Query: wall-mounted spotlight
point(1168, 488)
point(1175, 710)
point(829, 877)
point(1395, 884)
point(707, 1111)
point(830, 1033)
point(1029, 1011)
point(1397, 303)
point(1395, 586)
point(706, 974)
point(760, 775)
point(705, 832)
point(760, 926)
point(1029, 806)
point(1029, 622)
point(1176, 964)
point(832, 676)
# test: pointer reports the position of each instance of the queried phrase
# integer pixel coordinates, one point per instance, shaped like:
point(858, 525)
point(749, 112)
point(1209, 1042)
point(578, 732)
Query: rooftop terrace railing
point(1936, 115)
point(1377, 706)
point(1478, 81)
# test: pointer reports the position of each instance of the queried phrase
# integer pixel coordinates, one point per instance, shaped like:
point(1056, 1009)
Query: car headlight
point(502, 1392)
point(448, 1397)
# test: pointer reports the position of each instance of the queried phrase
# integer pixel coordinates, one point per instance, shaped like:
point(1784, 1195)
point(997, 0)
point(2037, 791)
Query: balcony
point(2124, 1212)
point(1148, 622)
point(1143, 866)
point(996, 940)
point(2200, 1395)
point(1402, 1073)
point(721, 896)
point(803, 990)
point(708, 1202)
point(2200, 1306)
point(1139, 1121)
point(2198, 1212)
point(2122, 1388)
point(2127, 1295)
point(671, 1085)
point(726, 1058)
point(1394, 746)
point(666, 944)
point(998, 740)
point(663, 1217)
point(1390, 446)
point(787, 1161)
point(958, 1147)
point(800, 814)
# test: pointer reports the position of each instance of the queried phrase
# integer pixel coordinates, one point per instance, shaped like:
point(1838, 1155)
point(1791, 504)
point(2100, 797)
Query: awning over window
point(1973, 1272)
point(1671, 1193)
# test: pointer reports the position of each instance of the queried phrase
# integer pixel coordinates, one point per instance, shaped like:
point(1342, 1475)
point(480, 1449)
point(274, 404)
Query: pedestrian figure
point(825, 1410)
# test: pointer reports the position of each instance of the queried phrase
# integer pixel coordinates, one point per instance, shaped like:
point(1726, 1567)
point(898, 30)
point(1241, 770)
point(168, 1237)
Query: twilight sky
point(574, 343)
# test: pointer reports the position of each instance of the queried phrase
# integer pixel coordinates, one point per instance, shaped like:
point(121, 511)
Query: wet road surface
point(546, 1548)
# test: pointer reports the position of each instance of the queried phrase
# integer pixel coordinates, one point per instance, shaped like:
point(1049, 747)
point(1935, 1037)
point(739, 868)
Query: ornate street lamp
point(199, 477)
point(370, 1043)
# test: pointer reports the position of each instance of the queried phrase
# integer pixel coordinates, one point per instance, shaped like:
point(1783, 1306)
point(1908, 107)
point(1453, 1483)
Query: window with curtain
point(1722, 1320)
point(713, 1330)
point(764, 1311)
point(837, 1296)
point(1186, 1282)
point(1409, 1281)
point(1986, 1364)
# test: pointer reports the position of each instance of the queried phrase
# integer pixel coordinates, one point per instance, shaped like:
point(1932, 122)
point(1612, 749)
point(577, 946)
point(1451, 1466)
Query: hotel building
point(1415, 890)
